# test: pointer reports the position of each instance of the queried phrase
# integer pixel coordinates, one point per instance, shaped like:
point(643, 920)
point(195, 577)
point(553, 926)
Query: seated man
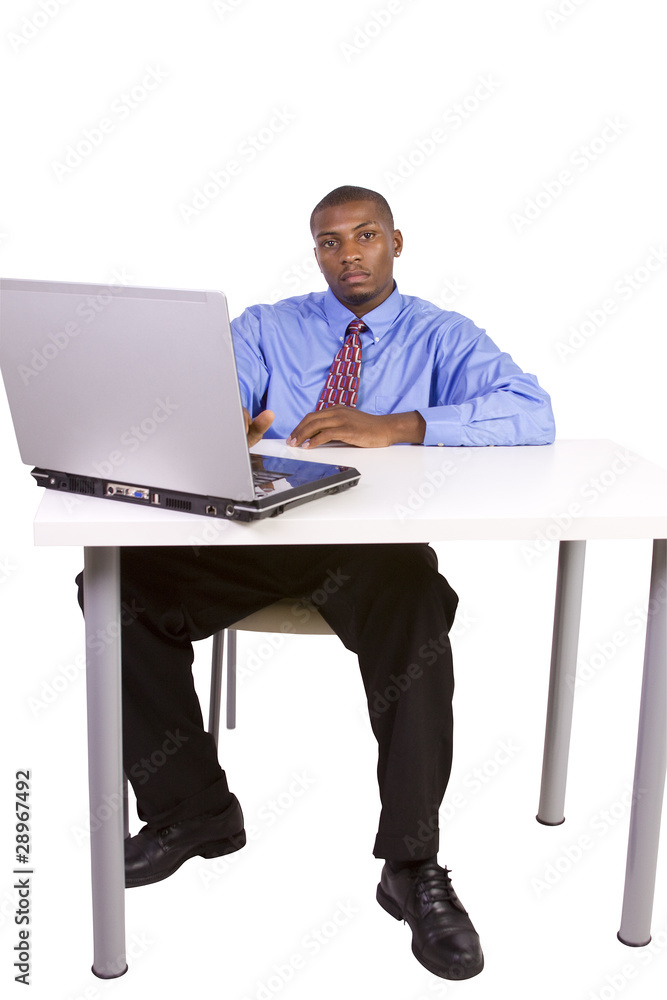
point(363, 365)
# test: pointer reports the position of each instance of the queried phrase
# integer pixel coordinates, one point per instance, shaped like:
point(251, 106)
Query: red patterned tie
point(342, 384)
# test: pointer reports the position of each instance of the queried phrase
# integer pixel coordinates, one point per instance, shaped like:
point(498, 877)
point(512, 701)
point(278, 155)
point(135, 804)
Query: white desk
point(567, 492)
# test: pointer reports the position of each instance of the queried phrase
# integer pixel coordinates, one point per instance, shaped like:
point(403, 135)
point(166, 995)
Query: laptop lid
point(125, 383)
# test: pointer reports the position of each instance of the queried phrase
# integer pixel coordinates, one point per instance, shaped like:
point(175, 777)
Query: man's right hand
point(257, 428)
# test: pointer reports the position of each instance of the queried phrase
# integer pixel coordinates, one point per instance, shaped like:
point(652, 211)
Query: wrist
point(406, 428)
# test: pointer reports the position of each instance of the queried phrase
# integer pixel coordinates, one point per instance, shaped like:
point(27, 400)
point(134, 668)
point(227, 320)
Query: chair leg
point(216, 685)
point(231, 680)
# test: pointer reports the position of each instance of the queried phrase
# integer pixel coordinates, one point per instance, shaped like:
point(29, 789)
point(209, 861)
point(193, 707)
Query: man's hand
point(257, 428)
point(364, 430)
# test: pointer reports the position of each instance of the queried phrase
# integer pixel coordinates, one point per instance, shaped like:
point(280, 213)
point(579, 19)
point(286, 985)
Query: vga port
point(123, 490)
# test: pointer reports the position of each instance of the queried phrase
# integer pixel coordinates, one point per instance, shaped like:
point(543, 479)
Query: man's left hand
point(364, 430)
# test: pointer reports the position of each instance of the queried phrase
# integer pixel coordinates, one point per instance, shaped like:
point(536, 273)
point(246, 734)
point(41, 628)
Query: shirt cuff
point(443, 426)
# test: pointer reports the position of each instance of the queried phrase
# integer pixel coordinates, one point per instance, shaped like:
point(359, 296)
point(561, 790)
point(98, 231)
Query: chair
point(287, 617)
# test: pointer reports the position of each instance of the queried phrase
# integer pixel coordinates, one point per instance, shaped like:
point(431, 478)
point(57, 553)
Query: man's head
point(355, 246)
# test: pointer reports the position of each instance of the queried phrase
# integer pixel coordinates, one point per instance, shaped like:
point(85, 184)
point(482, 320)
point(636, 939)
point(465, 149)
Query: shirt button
point(440, 444)
point(376, 339)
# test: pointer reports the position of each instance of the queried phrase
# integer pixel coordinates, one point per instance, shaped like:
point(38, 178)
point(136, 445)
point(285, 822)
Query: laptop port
point(123, 490)
point(211, 510)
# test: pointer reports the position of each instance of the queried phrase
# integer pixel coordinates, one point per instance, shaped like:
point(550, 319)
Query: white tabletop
point(568, 490)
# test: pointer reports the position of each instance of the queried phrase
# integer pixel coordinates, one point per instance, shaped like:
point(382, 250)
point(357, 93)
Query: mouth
point(354, 276)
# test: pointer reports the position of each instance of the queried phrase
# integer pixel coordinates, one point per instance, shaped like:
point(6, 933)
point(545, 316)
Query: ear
point(398, 242)
point(316, 257)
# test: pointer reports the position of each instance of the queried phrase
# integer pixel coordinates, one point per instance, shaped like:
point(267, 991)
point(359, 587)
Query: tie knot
point(356, 326)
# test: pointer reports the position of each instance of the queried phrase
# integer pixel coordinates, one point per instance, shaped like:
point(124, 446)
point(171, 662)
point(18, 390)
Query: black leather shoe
point(443, 937)
point(156, 853)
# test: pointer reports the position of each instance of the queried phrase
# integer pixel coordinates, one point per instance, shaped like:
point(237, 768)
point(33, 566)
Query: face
point(355, 248)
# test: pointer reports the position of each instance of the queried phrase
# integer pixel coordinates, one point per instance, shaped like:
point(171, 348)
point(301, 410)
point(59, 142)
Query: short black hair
point(347, 193)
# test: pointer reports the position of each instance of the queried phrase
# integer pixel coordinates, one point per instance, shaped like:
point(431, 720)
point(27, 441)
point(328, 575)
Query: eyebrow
point(362, 225)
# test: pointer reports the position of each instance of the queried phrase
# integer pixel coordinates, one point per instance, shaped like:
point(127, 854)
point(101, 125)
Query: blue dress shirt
point(415, 356)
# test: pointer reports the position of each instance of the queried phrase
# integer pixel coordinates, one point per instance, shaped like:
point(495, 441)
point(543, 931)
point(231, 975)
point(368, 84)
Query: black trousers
point(388, 604)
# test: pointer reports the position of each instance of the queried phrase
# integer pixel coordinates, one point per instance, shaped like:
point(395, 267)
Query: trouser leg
point(387, 602)
point(395, 612)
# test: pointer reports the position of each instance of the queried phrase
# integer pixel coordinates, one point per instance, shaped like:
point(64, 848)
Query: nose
point(350, 251)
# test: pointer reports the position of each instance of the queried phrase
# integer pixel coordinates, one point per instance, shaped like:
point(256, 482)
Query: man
point(363, 365)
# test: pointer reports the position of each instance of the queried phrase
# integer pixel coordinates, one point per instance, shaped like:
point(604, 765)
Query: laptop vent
point(177, 504)
point(81, 485)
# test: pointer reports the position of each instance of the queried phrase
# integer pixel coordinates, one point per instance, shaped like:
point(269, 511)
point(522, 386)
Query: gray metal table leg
point(567, 615)
point(105, 771)
point(650, 764)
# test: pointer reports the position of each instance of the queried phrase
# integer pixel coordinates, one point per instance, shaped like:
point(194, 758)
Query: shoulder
point(437, 320)
point(284, 311)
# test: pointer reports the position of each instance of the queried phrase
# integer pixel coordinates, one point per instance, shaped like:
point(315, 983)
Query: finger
point(315, 423)
point(259, 426)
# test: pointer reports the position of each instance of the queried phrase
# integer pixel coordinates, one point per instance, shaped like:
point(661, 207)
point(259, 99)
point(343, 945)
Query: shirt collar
point(378, 320)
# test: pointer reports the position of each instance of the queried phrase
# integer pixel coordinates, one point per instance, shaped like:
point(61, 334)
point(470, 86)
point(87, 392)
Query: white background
point(362, 87)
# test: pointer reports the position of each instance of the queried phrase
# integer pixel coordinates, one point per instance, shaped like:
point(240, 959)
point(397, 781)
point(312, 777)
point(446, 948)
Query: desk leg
point(105, 771)
point(567, 614)
point(650, 765)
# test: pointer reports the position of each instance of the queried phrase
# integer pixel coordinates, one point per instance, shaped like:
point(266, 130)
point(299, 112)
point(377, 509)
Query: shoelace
point(434, 885)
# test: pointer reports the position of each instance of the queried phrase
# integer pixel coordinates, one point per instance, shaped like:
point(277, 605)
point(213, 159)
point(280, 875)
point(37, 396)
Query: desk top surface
point(568, 490)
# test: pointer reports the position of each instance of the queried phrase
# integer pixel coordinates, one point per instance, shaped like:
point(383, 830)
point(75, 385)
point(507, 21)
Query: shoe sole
point(215, 849)
point(452, 972)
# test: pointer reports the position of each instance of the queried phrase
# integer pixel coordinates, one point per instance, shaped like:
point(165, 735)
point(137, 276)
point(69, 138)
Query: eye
point(368, 236)
point(327, 244)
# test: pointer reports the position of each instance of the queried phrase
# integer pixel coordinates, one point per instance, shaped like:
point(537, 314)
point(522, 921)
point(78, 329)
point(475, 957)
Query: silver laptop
point(131, 394)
